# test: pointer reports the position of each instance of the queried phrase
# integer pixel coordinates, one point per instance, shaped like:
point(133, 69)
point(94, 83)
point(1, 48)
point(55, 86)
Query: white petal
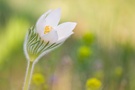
point(41, 23)
point(61, 40)
point(53, 18)
point(65, 29)
point(42, 17)
point(52, 37)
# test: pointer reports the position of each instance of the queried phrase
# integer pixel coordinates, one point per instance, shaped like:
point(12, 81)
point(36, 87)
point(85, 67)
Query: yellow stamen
point(47, 29)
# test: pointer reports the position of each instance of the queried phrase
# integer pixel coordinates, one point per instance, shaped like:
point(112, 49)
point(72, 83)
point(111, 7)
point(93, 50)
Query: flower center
point(47, 29)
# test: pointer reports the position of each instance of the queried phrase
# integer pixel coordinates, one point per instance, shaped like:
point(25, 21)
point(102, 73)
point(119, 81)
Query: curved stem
point(28, 75)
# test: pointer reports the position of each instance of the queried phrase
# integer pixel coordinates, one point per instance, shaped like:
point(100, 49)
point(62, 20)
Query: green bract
point(35, 47)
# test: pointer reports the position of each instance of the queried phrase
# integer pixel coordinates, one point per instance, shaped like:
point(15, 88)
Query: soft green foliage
point(13, 37)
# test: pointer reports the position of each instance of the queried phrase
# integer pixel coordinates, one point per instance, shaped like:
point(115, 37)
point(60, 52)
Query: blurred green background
point(103, 46)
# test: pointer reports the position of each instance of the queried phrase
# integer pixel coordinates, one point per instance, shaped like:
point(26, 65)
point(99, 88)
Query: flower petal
point(52, 37)
point(61, 40)
point(41, 23)
point(65, 29)
point(53, 18)
point(42, 17)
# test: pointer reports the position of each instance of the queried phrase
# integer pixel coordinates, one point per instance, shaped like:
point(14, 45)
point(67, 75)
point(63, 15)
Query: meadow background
point(102, 47)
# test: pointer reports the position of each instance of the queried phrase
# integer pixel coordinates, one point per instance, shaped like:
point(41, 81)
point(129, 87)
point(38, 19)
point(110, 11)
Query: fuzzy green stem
point(28, 75)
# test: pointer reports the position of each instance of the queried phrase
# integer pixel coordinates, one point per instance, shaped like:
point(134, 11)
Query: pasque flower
point(44, 37)
point(47, 34)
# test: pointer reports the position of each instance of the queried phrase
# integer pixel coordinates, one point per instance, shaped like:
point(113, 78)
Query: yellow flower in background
point(38, 79)
point(118, 71)
point(93, 84)
point(88, 38)
point(84, 52)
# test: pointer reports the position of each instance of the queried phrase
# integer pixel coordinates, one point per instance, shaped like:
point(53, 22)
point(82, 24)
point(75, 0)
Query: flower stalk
point(28, 76)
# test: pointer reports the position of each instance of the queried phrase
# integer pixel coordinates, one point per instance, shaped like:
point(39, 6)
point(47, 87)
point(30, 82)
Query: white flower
point(46, 35)
point(48, 29)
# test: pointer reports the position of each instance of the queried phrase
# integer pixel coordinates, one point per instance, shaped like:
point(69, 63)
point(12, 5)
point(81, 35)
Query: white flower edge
point(25, 47)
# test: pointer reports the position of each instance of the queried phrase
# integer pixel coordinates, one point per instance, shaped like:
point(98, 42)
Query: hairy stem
point(28, 75)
